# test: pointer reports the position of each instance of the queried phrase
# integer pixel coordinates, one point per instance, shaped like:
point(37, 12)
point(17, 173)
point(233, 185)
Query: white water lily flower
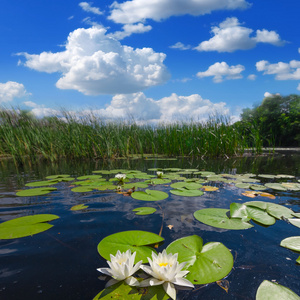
point(159, 174)
point(122, 268)
point(165, 270)
point(121, 177)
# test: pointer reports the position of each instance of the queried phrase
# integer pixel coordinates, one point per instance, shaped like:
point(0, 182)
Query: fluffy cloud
point(270, 95)
point(298, 88)
point(94, 63)
point(230, 36)
point(89, 8)
point(252, 77)
point(222, 71)
point(283, 71)
point(129, 29)
point(180, 46)
point(135, 11)
point(147, 110)
point(11, 90)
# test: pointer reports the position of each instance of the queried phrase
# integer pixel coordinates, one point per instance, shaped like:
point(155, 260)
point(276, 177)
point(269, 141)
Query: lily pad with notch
point(26, 226)
point(141, 211)
point(205, 263)
point(149, 195)
point(185, 192)
point(135, 240)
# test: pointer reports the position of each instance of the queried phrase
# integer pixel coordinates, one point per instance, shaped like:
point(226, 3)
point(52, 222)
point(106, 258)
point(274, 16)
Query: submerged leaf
point(79, 207)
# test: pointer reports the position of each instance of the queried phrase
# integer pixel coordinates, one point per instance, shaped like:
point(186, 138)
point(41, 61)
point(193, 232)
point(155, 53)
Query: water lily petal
point(105, 271)
point(136, 267)
point(132, 281)
point(170, 289)
point(183, 282)
point(147, 269)
point(151, 282)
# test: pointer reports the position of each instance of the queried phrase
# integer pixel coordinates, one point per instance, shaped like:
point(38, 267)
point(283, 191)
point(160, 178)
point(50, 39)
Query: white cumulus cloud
point(281, 70)
point(230, 36)
point(11, 90)
point(129, 29)
point(252, 77)
point(139, 10)
point(181, 46)
point(89, 8)
point(94, 63)
point(221, 71)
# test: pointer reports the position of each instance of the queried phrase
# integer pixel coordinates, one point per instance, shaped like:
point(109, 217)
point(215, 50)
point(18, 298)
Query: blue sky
point(154, 60)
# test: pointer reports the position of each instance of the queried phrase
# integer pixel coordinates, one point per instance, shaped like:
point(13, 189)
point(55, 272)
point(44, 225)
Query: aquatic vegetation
point(142, 211)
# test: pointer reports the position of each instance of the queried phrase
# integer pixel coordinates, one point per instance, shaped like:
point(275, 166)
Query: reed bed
point(24, 137)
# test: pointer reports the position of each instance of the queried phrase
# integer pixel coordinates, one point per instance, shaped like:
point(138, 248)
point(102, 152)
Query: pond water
point(61, 263)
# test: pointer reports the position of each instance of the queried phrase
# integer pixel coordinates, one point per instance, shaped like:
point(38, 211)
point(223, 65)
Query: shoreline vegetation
point(24, 137)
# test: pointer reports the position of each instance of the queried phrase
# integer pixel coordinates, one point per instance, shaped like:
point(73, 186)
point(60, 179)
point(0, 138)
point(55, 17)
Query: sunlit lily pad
point(204, 173)
point(242, 185)
point(79, 207)
point(26, 226)
point(159, 181)
point(135, 240)
point(257, 187)
point(267, 176)
point(141, 185)
point(149, 195)
point(274, 291)
point(36, 191)
point(205, 264)
point(292, 243)
point(187, 185)
point(292, 186)
point(42, 183)
point(89, 177)
point(217, 217)
point(295, 222)
point(144, 210)
point(58, 176)
point(285, 176)
point(184, 192)
point(276, 186)
point(123, 291)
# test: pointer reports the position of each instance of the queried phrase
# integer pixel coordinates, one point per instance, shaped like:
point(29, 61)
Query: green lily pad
point(274, 291)
point(121, 290)
point(149, 195)
point(267, 176)
point(141, 185)
point(144, 210)
point(292, 186)
point(295, 222)
point(135, 240)
point(204, 173)
point(42, 183)
point(217, 217)
point(58, 176)
point(242, 185)
point(239, 211)
point(26, 226)
point(187, 185)
point(275, 210)
point(285, 176)
point(36, 191)
point(83, 189)
point(276, 186)
point(257, 187)
point(159, 181)
point(89, 177)
point(292, 243)
point(184, 192)
point(205, 264)
point(297, 215)
point(79, 207)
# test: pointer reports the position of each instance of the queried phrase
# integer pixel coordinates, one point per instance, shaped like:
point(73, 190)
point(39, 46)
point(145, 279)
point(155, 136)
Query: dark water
point(61, 262)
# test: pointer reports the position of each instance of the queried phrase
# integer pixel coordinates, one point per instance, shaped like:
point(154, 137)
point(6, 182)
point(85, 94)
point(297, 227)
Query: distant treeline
point(276, 121)
point(23, 137)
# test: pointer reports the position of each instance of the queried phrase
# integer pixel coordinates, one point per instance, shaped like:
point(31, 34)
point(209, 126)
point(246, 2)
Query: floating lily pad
point(149, 195)
point(141, 185)
point(217, 217)
point(295, 222)
point(36, 191)
point(257, 187)
point(242, 185)
point(184, 192)
point(267, 176)
point(26, 226)
point(204, 173)
point(121, 290)
point(144, 210)
point(292, 186)
point(159, 181)
point(83, 189)
point(292, 243)
point(276, 186)
point(79, 207)
point(274, 291)
point(155, 169)
point(275, 210)
point(205, 264)
point(135, 240)
point(284, 176)
point(42, 183)
point(89, 177)
point(297, 215)
point(187, 185)
point(58, 176)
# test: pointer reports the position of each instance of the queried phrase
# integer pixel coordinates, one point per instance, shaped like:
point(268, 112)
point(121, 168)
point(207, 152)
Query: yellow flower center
point(163, 264)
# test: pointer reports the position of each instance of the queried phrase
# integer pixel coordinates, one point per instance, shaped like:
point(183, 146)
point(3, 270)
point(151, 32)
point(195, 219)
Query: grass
point(24, 137)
